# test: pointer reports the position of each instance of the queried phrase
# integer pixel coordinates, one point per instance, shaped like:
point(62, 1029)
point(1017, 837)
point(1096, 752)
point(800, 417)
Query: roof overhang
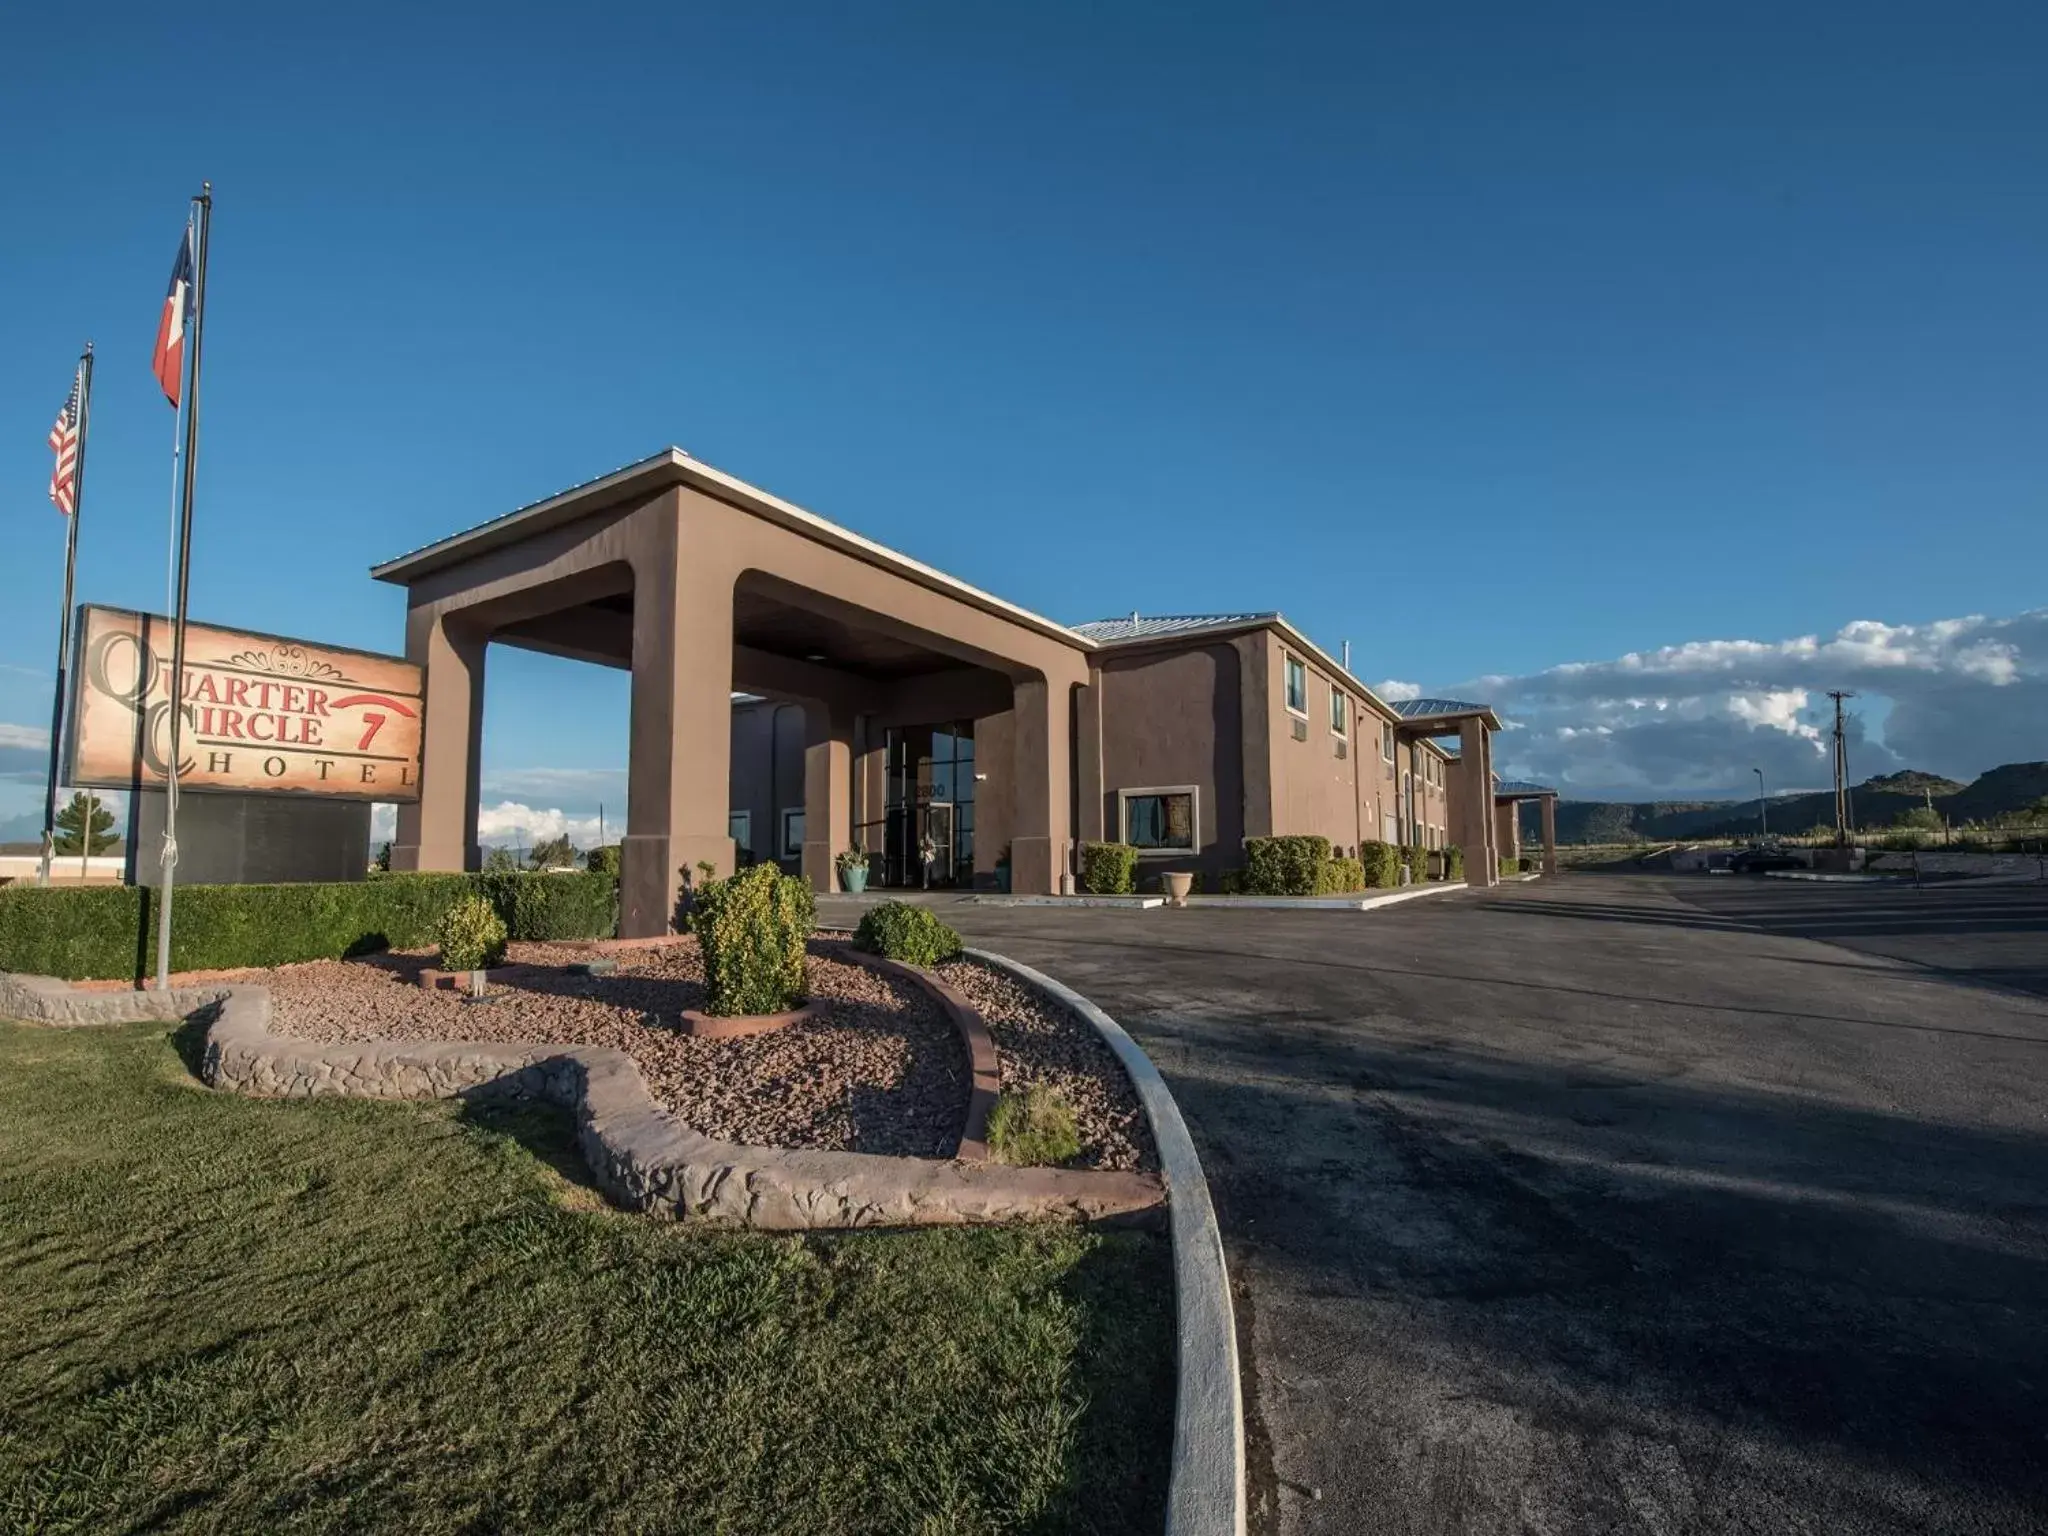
point(673, 467)
point(1446, 722)
point(1251, 622)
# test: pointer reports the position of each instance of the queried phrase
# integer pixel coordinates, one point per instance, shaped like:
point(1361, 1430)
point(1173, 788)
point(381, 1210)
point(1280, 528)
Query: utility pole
point(1763, 820)
point(1842, 819)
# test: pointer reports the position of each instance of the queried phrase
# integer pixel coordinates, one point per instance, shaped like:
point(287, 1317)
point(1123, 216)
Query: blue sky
point(1492, 338)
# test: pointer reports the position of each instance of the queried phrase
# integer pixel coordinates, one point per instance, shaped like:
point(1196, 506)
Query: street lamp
point(1763, 821)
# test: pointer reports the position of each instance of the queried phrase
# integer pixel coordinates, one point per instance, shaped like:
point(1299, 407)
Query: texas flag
point(169, 361)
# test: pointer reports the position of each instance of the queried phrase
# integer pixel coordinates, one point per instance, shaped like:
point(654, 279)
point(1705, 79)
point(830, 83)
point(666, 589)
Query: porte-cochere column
point(679, 757)
point(438, 832)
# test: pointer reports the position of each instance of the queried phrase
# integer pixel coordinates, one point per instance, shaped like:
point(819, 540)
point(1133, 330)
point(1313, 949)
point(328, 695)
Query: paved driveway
point(1612, 1203)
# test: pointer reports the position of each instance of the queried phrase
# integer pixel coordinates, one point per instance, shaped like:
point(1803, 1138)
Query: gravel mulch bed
point(1040, 1040)
point(882, 1071)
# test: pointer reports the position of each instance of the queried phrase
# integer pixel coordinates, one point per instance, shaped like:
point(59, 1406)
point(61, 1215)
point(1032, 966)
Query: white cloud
point(29, 737)
point(509, 821)
point(1955, 696)
point(1394, 691)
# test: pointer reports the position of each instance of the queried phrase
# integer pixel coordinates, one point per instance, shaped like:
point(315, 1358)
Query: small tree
point(1921, 818)
point(603, 861)
point(72, 822)
point(554, 853)
point(499, 861)
point(382, 863)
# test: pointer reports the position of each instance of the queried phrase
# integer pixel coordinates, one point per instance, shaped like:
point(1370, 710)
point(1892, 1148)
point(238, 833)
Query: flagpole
point(203, 220)
point(64, 624)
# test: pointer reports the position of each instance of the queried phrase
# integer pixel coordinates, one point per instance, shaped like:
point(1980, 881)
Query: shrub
point(471, 935)
point(1418, 863)
point(1340, 877)
point(603, 861)
point(81, 932)
point(1284, 866)
point(1035, 1128)
point(1231, 882)
point(1381, 863)
point(1109, 869)
point(554, 906)
point(1454, 862)
point(898, 930)
point(753, 928)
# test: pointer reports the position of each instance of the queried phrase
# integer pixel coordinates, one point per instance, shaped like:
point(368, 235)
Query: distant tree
point(1921, 818)
point(554, 853)
point(382, 863)
point(499, 861)
point(71, 826)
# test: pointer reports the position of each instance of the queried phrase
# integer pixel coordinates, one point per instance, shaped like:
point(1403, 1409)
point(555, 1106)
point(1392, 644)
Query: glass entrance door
point(929, 805)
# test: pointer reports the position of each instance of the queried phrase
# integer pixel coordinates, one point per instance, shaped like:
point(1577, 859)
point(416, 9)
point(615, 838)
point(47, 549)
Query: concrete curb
point(1327, 903)
point(1138, 902)
point(1206, 1496)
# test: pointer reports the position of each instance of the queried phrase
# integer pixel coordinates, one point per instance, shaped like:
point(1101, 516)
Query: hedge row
point(81, 932)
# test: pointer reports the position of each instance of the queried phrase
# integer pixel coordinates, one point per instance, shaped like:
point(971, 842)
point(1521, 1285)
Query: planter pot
point(1003, 878)
point(854, 880)
point(1178, 883)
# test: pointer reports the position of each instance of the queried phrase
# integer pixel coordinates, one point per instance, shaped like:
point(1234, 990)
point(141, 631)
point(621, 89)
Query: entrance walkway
point(1578, 1206)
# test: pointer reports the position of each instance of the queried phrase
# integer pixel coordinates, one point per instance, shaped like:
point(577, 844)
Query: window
point(1159, 820)
point(792, 834)
point(1297, 686)
point(1387, 740)
point(739, 826)
point(1340, 712)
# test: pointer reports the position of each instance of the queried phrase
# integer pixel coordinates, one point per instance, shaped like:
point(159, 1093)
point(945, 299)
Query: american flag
point(64, 443)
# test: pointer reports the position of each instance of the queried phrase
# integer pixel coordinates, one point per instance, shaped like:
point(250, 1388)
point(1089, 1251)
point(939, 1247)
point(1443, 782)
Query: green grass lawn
point(225, 1314)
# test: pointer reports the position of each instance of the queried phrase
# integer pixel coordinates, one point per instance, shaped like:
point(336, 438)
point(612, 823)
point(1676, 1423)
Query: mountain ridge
point(1876, 802)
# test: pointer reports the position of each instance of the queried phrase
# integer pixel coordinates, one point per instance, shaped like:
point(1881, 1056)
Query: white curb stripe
point(1206, 1496)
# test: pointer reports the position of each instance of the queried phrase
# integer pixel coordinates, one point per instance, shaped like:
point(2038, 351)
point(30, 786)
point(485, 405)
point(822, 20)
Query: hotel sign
point(260, 713)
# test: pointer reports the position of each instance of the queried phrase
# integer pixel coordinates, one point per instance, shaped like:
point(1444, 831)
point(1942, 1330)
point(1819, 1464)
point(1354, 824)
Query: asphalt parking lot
point(1616, 1203)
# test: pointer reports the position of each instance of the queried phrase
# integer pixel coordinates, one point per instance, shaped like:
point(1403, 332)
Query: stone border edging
point(1206, 1493)
point(985, 1079)
point(641, 1157)
point(54, 1001)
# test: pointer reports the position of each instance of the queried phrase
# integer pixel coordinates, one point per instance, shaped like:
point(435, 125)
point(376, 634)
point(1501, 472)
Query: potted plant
point(853, 869)
point(1003, 870)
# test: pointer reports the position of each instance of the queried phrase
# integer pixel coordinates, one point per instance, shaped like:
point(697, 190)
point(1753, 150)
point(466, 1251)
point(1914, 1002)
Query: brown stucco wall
point(767, 772)
point(1174, 717)
point(1314, 792)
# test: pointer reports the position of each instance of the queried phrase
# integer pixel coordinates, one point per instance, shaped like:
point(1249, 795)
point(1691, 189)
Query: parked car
point(1754, 861)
